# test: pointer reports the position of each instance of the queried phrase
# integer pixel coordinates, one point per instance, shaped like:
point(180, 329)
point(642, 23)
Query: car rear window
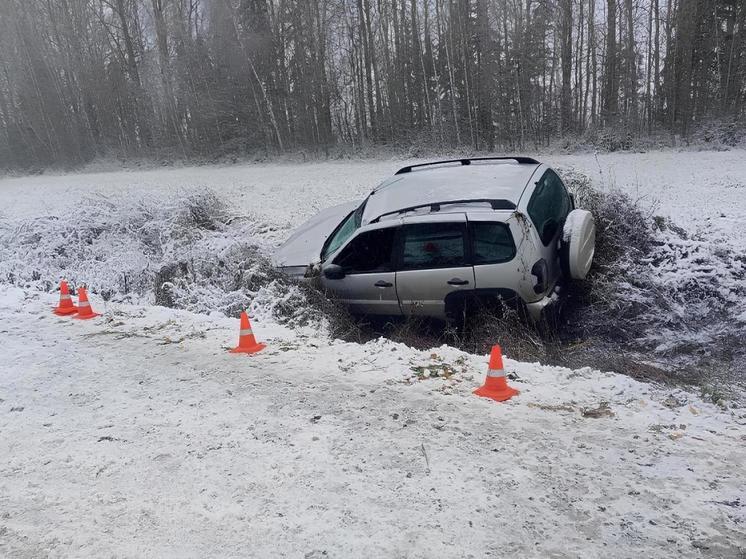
point(432, 245)
point(491, 242)
point(549, 206)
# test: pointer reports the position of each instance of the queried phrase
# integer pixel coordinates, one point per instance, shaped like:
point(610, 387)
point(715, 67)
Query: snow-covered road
point(137, 435)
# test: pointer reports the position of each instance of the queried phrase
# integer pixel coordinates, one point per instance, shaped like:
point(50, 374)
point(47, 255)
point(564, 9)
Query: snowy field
point(138, 435)
point(699, 190)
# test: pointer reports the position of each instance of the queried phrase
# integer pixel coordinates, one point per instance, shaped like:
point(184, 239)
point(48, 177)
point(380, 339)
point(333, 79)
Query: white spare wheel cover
point(579, 240)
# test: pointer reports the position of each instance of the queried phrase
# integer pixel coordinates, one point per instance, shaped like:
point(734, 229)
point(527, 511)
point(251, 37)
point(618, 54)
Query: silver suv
point(438, 235)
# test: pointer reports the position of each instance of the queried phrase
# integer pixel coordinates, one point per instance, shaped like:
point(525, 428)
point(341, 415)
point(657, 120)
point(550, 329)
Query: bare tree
point(183, 78)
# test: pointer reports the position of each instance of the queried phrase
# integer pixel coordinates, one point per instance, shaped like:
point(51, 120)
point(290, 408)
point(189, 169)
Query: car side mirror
point(333, 272)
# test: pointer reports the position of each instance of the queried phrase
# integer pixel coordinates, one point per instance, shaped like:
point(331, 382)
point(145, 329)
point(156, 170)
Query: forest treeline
point(210, 78)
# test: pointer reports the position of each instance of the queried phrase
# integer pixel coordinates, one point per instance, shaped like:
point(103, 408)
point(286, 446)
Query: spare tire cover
point(579, 243)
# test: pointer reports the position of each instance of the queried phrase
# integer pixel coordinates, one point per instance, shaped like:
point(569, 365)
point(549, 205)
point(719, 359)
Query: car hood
point(304, 245)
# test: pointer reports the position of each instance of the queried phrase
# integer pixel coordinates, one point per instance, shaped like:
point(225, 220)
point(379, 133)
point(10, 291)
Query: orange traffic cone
point(84, 307)
point(246, 341)
point(66, 301)
point(495, 385)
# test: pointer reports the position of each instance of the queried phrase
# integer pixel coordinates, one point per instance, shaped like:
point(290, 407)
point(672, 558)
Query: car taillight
point(541, 271)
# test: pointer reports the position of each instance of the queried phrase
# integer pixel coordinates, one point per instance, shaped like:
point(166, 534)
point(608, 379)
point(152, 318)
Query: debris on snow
point(602, 410)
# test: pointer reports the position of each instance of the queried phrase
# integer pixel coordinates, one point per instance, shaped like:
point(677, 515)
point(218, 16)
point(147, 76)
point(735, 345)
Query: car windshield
point(343, 232)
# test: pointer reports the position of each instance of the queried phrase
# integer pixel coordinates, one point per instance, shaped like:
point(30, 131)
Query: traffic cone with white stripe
point(84, 306)
point(66, 301)
point(246, 341)
point(496, 385)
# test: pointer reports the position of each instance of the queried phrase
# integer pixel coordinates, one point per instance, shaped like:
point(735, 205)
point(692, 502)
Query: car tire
point(578, 244)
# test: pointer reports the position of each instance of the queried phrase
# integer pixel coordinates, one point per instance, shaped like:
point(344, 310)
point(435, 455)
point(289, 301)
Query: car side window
point(549, 206)
point(368, 252)
point(491, 242)
point(433, 245)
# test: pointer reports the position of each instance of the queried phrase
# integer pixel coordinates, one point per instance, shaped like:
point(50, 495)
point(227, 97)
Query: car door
point(432, 264)
point(493, 255)
point(369, 282)
point(548, 208)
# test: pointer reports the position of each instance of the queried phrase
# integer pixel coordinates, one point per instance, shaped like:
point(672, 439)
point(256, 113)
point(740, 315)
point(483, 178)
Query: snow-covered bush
point(719, 134)
point(188, 251)
point(656, 291)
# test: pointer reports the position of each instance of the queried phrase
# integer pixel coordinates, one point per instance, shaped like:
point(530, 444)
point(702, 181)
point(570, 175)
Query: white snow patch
point(138, 434)
point(11, 298)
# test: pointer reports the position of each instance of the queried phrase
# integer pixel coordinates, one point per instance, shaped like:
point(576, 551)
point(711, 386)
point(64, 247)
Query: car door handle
point(382, 283)
point(458, 281)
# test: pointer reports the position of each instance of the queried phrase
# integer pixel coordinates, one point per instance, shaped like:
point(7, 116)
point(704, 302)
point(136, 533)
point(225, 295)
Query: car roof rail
point(467, 161)
point(435, 206)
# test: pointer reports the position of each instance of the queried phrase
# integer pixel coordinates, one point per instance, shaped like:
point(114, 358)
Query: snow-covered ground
point(136, 434)
point(699, 190)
